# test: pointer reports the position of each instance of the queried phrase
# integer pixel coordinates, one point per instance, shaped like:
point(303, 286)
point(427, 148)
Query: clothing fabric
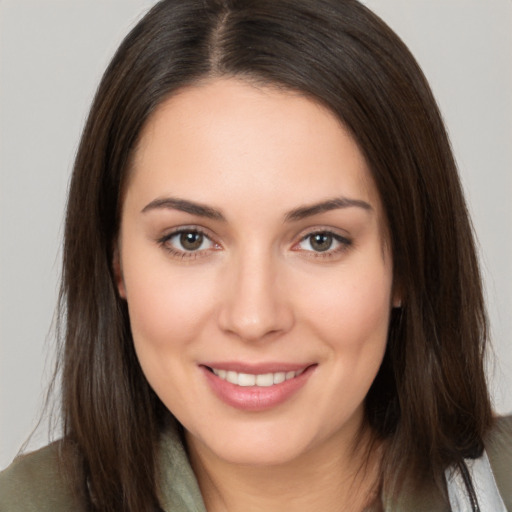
point(33, 482)
point(472, 487)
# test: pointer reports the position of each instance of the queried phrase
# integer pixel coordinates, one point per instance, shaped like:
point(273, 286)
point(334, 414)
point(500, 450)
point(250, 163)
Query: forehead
point(223, 136)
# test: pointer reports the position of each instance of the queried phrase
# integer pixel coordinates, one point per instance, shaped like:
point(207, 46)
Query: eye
point(323, 242)
point(190, 240)
point(186, 242)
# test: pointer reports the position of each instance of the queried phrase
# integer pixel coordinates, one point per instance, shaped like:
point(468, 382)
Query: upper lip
point(257, 368)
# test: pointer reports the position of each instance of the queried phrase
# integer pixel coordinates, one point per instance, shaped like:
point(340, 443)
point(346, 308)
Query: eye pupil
point(191, 241)
point(321, 242)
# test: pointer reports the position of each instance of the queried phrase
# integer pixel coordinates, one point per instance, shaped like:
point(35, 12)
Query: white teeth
point(232, 377)
point(279, 377)
point(246, 379)
point(261, 380)
point(265, 380)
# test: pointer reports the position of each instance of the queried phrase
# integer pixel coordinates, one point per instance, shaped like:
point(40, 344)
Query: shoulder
point(498, 446)
point(34, 482)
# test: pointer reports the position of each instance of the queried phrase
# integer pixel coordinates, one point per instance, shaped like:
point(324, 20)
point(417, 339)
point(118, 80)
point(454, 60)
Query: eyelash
point(344, 244)
point(186, 254)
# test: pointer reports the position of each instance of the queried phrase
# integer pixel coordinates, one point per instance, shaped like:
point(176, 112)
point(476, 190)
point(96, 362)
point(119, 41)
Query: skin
point(257, 290)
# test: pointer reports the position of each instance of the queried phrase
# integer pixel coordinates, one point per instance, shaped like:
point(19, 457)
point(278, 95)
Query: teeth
point(232, 377)
point(245, 379)
point(265, 380)
point(261, 380)
point(279, 377)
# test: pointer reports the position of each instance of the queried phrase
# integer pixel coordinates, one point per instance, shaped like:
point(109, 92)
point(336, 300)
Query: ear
point(397, 296)
point(118, 272)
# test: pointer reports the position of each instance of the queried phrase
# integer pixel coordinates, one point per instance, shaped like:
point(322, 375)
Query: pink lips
point(256, 398)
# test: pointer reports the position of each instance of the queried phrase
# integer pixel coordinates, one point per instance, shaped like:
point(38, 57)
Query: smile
point(259, 380)
point(256, 387)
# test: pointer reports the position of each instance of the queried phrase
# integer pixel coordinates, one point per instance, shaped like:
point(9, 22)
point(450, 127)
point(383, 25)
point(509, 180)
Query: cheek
point(351, 317)
point(166, 307)
point(168, 312)
point(353, 310)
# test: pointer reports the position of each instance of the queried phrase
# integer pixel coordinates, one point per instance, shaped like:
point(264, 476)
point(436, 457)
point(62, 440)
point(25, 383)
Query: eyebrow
point(330, 204)
point(302, 212)
point(171, 203)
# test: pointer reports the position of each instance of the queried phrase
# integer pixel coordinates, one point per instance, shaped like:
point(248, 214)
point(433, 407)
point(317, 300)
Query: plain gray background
point(52, 54)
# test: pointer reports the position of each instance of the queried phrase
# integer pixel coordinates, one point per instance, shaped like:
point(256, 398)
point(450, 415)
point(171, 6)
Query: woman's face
point(253, 258)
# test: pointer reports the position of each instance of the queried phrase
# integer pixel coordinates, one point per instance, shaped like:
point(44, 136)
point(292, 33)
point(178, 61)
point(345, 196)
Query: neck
point(327, 478)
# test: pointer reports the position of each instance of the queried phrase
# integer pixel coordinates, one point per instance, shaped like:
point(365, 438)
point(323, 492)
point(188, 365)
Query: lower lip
point(256, 398)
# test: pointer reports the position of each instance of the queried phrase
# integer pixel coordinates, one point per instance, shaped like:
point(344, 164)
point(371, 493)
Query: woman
point(270, 289)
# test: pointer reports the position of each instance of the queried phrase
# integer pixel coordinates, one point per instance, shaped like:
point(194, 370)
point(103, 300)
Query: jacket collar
point(178, 487)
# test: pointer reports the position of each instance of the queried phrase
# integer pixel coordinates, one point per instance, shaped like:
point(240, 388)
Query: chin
point(254, 446)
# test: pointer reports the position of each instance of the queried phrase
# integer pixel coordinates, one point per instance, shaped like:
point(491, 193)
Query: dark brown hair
point(429, 401)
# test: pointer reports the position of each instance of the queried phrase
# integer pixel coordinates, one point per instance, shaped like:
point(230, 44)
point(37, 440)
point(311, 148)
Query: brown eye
point(187, 242)
point(324, 242)
point(321, 241)
point(191, 240)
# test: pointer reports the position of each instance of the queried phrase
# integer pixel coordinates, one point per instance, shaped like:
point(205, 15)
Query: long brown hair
point(429, 401)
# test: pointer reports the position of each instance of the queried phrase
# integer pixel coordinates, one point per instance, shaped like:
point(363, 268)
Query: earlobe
point(118, 273)
point(397, 297)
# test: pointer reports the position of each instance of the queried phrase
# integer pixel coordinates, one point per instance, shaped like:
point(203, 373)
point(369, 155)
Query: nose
point(255, 305)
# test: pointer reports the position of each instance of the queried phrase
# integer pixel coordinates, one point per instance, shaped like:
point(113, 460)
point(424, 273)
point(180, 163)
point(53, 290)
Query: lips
point(256, 388)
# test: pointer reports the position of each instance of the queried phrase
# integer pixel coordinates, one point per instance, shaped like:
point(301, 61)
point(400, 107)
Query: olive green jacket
point(33, 483)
